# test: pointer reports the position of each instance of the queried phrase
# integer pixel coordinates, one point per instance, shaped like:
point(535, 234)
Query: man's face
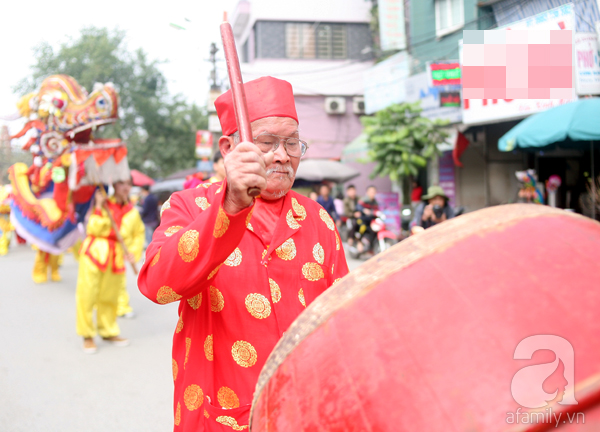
point(437, 200)
point(282, 172)
point(371, 192)
point(351, 192)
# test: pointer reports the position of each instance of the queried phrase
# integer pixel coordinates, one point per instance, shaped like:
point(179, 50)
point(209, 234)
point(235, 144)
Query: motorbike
point(375, 237)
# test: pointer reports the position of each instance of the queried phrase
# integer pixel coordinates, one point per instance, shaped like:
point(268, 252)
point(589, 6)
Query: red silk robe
point(237, 295)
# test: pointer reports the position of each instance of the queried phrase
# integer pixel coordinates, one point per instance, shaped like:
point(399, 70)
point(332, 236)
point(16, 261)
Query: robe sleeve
point(193, 240)
point(132, 230)
point(98, 224)
point(339, 265)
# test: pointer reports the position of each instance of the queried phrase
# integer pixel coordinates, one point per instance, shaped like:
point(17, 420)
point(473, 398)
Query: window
point(449, 16)
point(309, 41)
point(299, 41)
point(331, 41)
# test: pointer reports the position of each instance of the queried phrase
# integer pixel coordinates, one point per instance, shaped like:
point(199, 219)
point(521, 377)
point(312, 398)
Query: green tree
point(401, 142)
point(159, 129)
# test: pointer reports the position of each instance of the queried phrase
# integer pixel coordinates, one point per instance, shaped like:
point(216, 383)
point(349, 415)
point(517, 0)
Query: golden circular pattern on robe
point(249, 217)
point(179, 324)
point(275, 291)
point(193, 397)
point(172, 230)
point(235, 259)
point(175, 369)
point(214, 272)
point(299, 209)
point(220, 189)
point(188, 344)
point(166, 295)
point(336, 281)
point(195, 301)
point(301, 297)
point(249, 226)
point(217, 302)
point(312, 271)
point(188, 245)
point(221, 224)
point(208, 348)
point(206, 414)
point(258, 305)
point(287, 250)
point(231, 422)
point(227, 398)
point(204, 185)
point(165, 206)
point(244, 354)
point(178, 414)
point(319, 253)
point(332, 267)
point(337, 241)
point(264, 253)
point(289, 218)
point(156, 258)
point(327, 219)
point(202, 202)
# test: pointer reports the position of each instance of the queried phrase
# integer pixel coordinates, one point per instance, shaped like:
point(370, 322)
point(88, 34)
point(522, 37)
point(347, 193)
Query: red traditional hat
point(265, 97)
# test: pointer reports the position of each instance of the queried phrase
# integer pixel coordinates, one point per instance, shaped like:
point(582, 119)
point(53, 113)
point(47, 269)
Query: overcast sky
point(24, 24)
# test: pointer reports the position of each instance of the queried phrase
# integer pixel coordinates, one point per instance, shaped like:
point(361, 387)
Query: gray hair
point(236, 137)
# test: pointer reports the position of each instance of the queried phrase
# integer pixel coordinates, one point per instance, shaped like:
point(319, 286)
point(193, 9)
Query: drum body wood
point(423, 337)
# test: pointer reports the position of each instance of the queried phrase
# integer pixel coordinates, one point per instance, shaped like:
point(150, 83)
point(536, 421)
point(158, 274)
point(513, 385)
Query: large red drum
point(487, 322)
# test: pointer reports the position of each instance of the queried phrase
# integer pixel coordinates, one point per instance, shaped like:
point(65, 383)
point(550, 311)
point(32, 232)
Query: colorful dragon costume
point(52, 196)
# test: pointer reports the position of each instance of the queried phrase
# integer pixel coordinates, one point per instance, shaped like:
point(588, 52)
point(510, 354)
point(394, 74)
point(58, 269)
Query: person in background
point(327, 202)
point(100, 281)
point(149, 212)
point(338, 203)
point(351, 212)
point(218, 167)
point(368, 208)
point(313, 195)
point(433, 210)
point(415, 196)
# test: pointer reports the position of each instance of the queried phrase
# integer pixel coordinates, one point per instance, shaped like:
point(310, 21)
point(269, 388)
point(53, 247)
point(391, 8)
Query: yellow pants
point(43, 261)
point(4, 242)
point(123, 302)
point(101, 290)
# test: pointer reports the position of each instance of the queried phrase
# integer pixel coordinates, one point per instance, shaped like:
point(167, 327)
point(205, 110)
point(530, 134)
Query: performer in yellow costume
point(43, 262)
point(6, 228)
point(101, 277)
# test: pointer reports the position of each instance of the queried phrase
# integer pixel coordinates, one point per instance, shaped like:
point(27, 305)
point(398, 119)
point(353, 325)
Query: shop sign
point(444, 73)
point(484, 111)
point(391, 24)
point(418, 88)
point(204, 144)
point(384, 82)
point(587, 63)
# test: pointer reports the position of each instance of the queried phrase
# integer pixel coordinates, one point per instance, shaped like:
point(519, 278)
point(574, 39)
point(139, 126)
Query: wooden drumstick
point(237, 88)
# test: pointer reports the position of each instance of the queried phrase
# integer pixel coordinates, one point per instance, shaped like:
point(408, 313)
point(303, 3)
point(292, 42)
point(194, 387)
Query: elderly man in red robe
point(242, 268)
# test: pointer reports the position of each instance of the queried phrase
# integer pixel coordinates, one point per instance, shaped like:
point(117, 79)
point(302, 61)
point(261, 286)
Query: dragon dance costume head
point(52, 195)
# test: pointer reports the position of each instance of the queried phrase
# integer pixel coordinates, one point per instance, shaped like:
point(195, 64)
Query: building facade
point(323, 49)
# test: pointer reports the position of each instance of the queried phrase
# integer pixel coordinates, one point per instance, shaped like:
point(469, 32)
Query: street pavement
point(48, 384)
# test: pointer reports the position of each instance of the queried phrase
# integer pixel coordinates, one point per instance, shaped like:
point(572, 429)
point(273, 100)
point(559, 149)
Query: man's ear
point(225, 145)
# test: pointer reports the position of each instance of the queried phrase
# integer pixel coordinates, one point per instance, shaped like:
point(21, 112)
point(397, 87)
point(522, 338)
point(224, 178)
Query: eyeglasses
point(267, 142)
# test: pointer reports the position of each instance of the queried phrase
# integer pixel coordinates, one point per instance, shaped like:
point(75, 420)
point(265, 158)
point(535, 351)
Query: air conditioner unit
point(335, 105)
point(358, 105)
